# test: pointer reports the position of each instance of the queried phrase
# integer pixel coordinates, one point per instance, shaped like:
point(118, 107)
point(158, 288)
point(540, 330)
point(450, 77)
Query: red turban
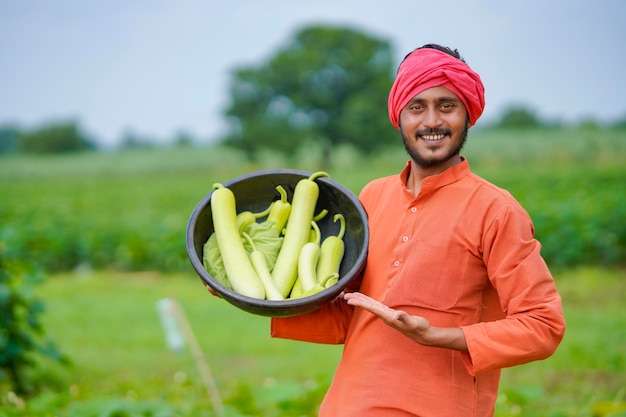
point(426, 68)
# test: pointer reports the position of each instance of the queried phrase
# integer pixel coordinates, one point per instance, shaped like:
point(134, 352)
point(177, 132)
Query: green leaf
point(265, 238)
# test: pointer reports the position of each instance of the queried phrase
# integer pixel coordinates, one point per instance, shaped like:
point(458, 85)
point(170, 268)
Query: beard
point(424, 161)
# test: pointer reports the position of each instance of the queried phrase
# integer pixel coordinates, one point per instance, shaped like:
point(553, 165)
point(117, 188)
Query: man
point(454, 288)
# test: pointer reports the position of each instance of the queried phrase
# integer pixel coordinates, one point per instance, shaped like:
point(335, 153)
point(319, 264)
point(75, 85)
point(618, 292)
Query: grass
point(108, 324)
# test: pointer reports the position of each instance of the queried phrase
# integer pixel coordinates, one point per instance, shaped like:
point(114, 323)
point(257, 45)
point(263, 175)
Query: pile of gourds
point(282, 257)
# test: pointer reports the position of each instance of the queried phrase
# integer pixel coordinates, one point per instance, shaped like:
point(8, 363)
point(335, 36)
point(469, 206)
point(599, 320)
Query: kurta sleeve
point(534, 324)
point(328, 324)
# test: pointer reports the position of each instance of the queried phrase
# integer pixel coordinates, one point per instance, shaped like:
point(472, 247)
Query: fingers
point(358, 299)
point(361, 300)
point(395, 318)
point(212, 291)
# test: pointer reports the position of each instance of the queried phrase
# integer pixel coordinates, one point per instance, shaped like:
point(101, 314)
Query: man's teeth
point(433, 137)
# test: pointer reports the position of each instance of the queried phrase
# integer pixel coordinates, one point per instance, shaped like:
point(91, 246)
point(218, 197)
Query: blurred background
point(117, 117)
point(158, 70)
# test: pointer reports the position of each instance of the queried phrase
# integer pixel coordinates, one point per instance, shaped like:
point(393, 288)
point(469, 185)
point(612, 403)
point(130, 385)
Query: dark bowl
point(254, 192)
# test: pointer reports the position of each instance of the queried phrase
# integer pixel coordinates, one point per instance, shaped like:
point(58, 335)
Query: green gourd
point(303, 205)
point(239, 270)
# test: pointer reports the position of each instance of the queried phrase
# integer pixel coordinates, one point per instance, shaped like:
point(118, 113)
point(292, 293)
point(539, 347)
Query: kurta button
point(396, 263)
point(405, 238)
point(413, 209)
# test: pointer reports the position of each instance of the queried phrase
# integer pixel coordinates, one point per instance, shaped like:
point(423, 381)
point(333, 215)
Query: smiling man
point(455, 288)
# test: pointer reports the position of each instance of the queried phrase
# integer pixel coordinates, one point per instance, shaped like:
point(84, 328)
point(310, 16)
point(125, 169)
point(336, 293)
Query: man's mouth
point(433, 138)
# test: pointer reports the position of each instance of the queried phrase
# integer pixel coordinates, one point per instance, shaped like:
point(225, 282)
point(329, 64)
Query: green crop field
point(129, 210)
point(108, 229)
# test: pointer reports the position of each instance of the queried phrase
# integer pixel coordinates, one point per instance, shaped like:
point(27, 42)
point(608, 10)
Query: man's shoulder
point(492, 197)
point(490, 188)
point(379, 184)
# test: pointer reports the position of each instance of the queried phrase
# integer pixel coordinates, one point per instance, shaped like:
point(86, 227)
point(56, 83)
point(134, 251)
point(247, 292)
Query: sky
point(157, 68)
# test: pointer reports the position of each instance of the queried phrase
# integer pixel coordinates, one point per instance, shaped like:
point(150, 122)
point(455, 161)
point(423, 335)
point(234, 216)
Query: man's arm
point(414, 327)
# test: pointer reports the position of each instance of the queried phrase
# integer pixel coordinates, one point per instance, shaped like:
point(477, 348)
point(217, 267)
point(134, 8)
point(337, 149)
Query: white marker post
point(177, 329)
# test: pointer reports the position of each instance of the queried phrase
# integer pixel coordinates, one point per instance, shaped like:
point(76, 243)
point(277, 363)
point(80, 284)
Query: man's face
point(434, 127)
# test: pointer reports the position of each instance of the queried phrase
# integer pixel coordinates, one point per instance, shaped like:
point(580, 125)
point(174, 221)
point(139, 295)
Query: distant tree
point(8, 139)
point(329, 85)
point(55, 138)
point(589, 124)
point(519, 117)
point(131, 140)
point(619, 123)
point(182, 139)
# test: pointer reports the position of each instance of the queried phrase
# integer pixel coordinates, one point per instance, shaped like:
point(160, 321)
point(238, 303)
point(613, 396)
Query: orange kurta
point(461, 254)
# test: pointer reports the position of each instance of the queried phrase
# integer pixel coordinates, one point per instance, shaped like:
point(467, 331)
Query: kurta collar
point(434, 182)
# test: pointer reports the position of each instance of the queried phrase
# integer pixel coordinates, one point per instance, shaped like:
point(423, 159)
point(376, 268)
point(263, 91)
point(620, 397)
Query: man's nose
point(432, 118)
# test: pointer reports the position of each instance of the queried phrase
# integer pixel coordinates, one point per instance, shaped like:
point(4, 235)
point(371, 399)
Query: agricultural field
point(108, 324)
point(129, 210)
point(108, 229)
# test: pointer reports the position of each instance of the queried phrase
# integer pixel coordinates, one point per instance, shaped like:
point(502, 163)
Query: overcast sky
point(157, 67)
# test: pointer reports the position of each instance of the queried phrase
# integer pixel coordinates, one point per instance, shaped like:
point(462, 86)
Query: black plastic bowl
point(254, 192)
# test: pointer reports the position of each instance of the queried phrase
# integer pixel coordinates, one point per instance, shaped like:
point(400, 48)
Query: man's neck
point(418, 172)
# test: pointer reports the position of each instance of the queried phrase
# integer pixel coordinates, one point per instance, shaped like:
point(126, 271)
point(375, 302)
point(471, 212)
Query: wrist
point(444, 337)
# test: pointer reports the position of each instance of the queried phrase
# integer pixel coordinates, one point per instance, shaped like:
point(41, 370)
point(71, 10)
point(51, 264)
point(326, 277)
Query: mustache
point(433, 131)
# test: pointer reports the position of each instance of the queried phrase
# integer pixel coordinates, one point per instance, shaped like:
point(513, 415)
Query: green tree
point(55, 138)
point(519, 117)
point(328, 85)
point(8, 139)
point(132, 140)
point(620, 123)
point(182, 139)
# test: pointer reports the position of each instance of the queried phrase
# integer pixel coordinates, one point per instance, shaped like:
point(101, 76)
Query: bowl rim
point(240, 299)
